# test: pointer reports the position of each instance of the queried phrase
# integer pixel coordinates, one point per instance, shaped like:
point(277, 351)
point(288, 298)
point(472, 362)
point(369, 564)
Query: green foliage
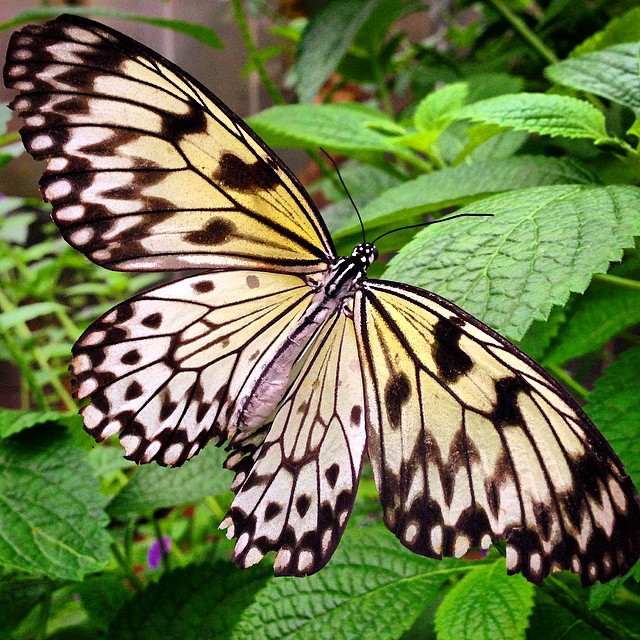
point(531, 117)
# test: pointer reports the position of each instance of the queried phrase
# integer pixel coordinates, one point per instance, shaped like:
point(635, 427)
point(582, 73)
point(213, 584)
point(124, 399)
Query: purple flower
point(155, 553)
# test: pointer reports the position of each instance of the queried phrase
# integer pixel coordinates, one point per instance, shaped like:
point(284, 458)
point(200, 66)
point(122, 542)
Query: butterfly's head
point(365, 253)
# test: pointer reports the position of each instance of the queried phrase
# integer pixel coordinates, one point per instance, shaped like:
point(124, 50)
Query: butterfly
point(284, 350)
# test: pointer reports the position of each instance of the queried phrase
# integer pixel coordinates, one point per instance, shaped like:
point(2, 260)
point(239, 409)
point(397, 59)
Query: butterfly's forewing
point(296, 481)
point(472, 442)
point(166, 368)
point(147, 170)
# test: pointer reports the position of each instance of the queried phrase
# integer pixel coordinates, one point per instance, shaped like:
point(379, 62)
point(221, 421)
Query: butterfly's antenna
point(344, 186)
point(430, 222)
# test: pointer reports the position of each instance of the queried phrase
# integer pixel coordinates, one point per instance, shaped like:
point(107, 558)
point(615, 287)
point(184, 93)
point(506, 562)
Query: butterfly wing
point(147, 170)
point(167, 368)
point(472, 442)
point(296, 479)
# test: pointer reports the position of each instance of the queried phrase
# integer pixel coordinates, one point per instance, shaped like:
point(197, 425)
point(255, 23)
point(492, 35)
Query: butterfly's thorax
point(266, 386)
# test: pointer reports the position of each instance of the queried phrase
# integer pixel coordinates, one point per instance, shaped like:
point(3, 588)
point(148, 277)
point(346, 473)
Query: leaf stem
point(568, 381)
point(608, 626)
point(124, 565)
point(523, 30)
point(618, 281)
point(254, 55)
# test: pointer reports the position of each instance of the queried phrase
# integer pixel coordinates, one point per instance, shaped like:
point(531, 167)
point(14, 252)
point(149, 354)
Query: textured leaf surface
point(551, 115)
point(336, 127)
point(486, 603)
point(51, 516)
point(198, 602)
point(372, 588)
point(326, 39)
point(611, 73)
point(540, 245)
point(613, 406)
point(467, 182)
point(154, 487)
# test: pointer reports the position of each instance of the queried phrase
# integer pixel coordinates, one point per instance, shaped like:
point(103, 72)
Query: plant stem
point(129, 572)
point(608, 626)
point(521, 28)
point(562, 375)
point(43, 616)
point(254, 55)
point(618, 281)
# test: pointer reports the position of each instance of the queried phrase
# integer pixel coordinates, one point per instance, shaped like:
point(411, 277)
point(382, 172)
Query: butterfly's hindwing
point(166, 369)
point(472, 442)
point(296, 482)
point(147, 170)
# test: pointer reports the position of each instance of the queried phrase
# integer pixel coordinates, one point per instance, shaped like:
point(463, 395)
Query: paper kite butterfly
point(288, 352)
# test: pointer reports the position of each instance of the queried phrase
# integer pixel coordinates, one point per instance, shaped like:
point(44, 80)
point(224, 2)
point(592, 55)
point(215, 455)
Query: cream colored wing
point(148, 170)
point(296, 479)
point(167, 368)
point(472, 442)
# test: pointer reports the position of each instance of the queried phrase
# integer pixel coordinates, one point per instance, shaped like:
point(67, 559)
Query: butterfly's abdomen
point(266, 387)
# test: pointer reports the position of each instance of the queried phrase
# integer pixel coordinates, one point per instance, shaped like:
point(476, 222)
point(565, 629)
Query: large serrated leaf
point(550, 115)
point(51, 508)
point(154, 487)
point(467, 182)
point(486, 603)
point(613, 406)
point(372, 589)
point(540, 245)
point(336, 127)
point(194, 603)
point(611, 73)
point(328, 35)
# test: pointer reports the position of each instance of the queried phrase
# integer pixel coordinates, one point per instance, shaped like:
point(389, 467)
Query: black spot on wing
point(303, 503)
point(204, 286)
point(152, 321)
point(234, 173)
point(451, 360)
point(216, 231)
point(331, 474)
point(272, 510)
point(131, 357)
point(396, 393)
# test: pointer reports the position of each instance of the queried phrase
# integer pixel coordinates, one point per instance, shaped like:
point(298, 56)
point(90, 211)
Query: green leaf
point(102, 598)
point(486, 603)
point(19, 594)
point(611, 73)
point(540, 245)
point(200, 602)
point(613, 406)
point(326, 38)
point(593, 319)
point(27, 312)
point(51, 509)
point(154, 487)
point(550, 621)
point(625, 28)
point(14, 421)
point(336, 127)
point(192, 29)
point(371, 589)
point(433, 110)
point(551, 115)
point(466, 183)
